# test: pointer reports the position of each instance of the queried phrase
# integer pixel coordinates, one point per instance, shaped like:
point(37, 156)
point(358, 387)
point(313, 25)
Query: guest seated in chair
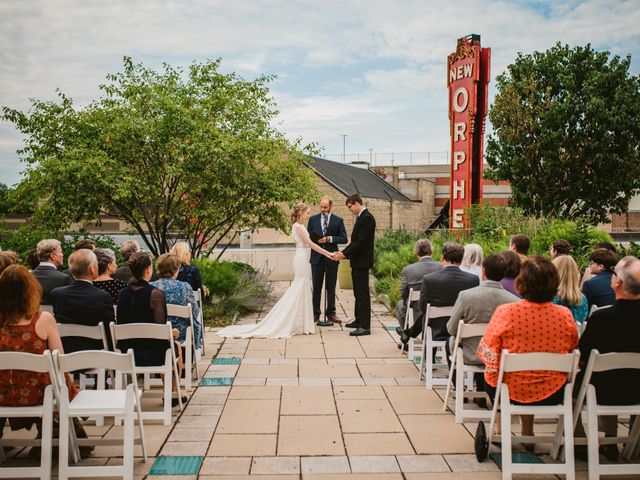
point(532, 325)
point(615, 329)
point(177, 293)
point(107, 267)
point(24, 328)
point(598, 289)
point(81, 303)
point(188, 273)
point(51, 257)
point(141, 302)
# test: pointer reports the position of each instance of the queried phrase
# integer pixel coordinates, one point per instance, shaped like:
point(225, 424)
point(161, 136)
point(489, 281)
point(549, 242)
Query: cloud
point(374, 70)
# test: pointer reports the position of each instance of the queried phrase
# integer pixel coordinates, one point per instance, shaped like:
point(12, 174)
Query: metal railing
point(380, 159)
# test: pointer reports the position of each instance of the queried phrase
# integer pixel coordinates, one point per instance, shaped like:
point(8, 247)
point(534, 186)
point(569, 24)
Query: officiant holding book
point(327, 230)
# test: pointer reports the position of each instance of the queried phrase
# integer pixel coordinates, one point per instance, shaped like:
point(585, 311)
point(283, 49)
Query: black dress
point(113, 287)
point(140, 302)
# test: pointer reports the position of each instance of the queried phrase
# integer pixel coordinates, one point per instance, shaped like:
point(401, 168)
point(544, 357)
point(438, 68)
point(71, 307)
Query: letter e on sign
point(458, 218)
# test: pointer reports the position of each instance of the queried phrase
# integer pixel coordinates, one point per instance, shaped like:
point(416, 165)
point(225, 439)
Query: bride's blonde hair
point(297, 210)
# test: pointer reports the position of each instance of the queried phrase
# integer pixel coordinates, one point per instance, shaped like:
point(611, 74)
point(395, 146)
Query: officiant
point(327, 230)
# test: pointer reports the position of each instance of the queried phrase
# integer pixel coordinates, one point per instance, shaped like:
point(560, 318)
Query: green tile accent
point(390, 329)
point(416, 360)
point(517, 457)
point(216, 381)
point(166, 465)
point(226, 361)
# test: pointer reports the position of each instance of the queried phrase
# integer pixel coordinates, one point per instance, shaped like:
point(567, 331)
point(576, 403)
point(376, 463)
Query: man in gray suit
point(476, 305)
point(51, 257)
point(412, 277)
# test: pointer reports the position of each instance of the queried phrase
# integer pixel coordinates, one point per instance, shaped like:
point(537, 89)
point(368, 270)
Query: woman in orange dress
point(533, 325)
point(24, 328)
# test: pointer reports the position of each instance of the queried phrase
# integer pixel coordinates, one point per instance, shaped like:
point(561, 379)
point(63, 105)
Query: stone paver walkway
point(323, 406)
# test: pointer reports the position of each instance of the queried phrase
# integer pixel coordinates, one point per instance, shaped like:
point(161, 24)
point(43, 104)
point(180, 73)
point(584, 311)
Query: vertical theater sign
point(468, 82)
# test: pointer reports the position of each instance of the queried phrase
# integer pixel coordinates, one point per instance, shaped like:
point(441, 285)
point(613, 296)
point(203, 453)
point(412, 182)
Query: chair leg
point(168, 382)
point(593, 453)
point(569, 459)
point(47, 436)
point(63, 447)
point(505, 423)
point(100, 385)
point(127, 455)
point(459, 393)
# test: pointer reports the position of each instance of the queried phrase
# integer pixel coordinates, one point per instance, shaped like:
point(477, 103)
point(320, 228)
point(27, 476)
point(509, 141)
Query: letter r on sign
point(458, 131)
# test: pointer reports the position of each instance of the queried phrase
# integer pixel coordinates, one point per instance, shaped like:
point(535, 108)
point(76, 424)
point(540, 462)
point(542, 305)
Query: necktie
point(324, 225)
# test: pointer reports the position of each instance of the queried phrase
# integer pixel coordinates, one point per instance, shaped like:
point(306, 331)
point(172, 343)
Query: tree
point(191, 154)
point(566, 126)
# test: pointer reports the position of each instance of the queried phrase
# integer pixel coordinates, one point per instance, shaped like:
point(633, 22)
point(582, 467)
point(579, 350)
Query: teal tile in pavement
point(390, 329)
point(517, 457)
point(165, 465)
point(226, 361)
point(216, 381)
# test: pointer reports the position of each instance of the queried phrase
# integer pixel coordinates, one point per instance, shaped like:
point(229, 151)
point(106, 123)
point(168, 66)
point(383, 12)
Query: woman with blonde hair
point(569, 294)
point(472, 260)
point(188, 273)
point(293, 313)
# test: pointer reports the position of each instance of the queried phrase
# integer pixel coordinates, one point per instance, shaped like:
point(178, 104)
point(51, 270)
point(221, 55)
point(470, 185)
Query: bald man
point(616, 329)
point(81, 302)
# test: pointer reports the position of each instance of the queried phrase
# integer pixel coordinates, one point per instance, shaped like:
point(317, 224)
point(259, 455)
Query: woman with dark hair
point(141, 302)
point(107, 266)
point(532, 325)
point(513, 269)
point(24, 328)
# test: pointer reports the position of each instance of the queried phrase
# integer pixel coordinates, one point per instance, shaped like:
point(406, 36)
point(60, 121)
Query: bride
point(293, 313)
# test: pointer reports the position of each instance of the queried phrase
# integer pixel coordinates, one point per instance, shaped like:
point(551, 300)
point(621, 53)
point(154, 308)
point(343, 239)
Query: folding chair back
point(93, 332)
point(414, 296)
point(46, 308)
point(518, 362)
point(199, 299)
point(427, 363)
point(190, 363)
point(465, 331)
point(601, 363)
point(114, 403)
point(40, 364)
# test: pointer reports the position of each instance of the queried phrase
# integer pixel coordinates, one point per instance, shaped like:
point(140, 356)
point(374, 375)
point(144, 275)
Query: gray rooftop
point(349, 180)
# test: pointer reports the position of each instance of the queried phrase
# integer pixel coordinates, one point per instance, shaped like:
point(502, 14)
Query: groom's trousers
point(360, 278)
point(327, 270)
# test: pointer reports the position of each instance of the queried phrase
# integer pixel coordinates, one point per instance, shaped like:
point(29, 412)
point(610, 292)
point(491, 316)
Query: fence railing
point(380, 159)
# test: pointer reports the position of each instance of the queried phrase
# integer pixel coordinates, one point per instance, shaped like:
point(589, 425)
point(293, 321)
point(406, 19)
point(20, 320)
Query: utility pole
point(371, 156)
point(344, 148)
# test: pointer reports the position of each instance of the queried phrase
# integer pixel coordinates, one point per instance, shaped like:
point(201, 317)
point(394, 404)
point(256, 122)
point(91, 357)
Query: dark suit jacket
point(83, 304)
point(360, 250)
point(411, 278)
point(50, 278)
point(441, 289)
point(335, 230)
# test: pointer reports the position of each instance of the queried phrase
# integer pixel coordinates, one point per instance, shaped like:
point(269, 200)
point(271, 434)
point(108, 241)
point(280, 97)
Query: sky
point(372, 70)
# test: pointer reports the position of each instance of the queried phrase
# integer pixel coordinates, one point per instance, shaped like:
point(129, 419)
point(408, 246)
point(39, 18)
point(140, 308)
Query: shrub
point(220, 278)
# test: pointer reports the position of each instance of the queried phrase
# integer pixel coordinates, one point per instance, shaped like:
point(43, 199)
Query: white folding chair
point(113, 403)
point(465, 331)
point(601, 363)
point(33, 363)
point(199, 299)
point(93, 332)
point(409, 319)
point(518, 362)
point(46, 308)
point(169, 369)
point(427, 364)
point(190, 364)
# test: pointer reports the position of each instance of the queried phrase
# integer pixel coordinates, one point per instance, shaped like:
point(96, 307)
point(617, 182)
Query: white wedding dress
point(293, 313)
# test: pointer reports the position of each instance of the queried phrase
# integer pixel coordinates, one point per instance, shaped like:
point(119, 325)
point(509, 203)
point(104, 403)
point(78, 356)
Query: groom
point(360, 254)
point(330, 230)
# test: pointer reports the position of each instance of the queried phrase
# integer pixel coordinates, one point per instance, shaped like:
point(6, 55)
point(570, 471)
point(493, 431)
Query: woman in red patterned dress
point(24, 328)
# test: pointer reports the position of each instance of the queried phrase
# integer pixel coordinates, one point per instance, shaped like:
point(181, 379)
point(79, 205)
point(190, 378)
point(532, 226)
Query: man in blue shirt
point(598, 290)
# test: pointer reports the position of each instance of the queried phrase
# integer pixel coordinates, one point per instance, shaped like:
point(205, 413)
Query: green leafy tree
point(189, 153)
point(566, 136)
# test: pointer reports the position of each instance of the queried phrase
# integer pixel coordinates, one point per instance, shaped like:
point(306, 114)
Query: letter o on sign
point(457, 106)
